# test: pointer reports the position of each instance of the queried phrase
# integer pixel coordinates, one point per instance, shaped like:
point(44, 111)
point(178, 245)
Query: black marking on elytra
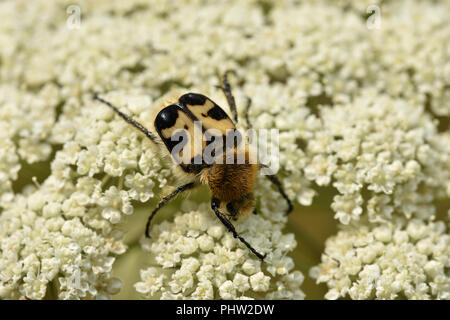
point(217, 113)
point(167, 118)
point(196, 99)
point(193, 99)
point(188, 112)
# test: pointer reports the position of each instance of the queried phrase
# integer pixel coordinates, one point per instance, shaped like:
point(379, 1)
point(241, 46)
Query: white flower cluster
point(382, 148)
point(364, 112)
point(379, 136)
point(401, 259)
point(24, 131)
point(63, 234)
point(196, 258)
point(40, 244)
point(60, 238)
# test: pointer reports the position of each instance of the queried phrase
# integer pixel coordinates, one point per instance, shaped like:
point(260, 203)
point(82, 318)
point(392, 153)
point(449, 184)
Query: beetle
point(229, 183)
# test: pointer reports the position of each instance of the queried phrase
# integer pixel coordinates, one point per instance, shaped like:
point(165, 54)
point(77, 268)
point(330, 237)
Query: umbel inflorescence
point(360, 111)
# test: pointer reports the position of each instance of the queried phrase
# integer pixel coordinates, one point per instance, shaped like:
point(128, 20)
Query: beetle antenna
point(226, 89)
point(128, 119)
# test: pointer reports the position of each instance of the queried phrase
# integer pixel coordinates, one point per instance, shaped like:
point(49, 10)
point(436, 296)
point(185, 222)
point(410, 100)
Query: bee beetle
point(230, 184)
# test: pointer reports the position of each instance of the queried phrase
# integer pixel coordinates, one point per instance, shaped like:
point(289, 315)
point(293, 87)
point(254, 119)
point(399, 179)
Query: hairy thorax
point(229, 182)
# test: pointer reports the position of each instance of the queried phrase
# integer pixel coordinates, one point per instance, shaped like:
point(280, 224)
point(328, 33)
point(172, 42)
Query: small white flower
point(240, 282)
point(259, 282)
